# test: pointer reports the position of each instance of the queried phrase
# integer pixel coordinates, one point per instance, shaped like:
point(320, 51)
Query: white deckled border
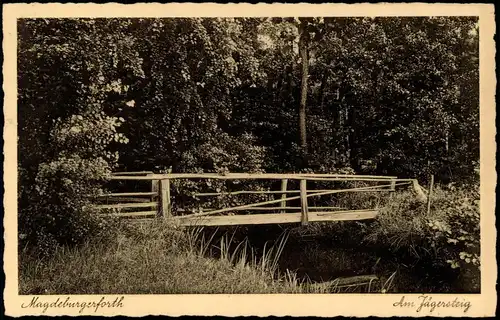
point(483, 304)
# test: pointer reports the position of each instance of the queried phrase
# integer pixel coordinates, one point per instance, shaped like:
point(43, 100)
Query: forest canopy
point(396, 96)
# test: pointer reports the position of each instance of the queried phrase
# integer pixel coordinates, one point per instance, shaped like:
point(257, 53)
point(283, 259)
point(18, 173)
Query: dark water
point(324, 257)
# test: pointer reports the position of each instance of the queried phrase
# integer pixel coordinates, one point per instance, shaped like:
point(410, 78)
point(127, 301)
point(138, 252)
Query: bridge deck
point(275, 218)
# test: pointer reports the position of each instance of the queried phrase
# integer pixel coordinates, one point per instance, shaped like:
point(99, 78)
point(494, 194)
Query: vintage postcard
point(240, 159)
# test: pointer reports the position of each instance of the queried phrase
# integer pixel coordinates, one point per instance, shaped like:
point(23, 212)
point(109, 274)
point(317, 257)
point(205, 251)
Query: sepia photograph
point(318, 155)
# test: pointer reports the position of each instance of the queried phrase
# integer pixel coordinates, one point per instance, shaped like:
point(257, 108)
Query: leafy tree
point(66, 138)
point(387, 95)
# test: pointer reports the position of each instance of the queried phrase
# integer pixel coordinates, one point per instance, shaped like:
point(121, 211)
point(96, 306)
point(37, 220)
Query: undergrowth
point(157, 259)
point(440, 244)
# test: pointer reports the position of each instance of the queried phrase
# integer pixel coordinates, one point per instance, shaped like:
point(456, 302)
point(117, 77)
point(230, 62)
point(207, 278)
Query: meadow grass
point(156, 259)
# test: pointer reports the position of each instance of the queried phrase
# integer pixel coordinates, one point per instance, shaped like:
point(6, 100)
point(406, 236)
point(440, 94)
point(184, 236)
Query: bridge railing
point(134, 203)
point(157, 202)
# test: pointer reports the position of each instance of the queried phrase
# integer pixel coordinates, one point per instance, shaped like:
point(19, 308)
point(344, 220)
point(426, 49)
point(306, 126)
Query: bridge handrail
point(260, 176)
point(160, 191)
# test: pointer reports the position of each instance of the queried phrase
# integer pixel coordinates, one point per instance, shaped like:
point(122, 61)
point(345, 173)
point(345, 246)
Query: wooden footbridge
point(275, 199)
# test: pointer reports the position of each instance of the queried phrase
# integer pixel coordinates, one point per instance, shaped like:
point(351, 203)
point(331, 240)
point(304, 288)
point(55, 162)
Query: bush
point(446, 237)
point(226, 154)
point(55, 196)
point(59, 212)
point(457, 234)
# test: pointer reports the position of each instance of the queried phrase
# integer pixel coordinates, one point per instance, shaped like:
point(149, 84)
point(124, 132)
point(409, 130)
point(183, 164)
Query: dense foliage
point(395, 96)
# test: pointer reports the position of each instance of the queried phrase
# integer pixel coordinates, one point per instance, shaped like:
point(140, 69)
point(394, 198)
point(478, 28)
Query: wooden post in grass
point(284, 183)
point(165, 198)
point(393, 185)
point(303, 202)
point(392, 188)
point(431, 184)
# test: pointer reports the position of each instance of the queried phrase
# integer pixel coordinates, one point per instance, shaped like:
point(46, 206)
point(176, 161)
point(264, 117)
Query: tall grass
point(424, 247)
point(401, 223)
point(157, 259)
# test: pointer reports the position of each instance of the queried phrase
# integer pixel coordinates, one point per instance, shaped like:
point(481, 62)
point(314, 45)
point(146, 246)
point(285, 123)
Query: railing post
point(392, 188)
point(393, 184)
point(165, 204)
point(284, 183)
point(303, 202)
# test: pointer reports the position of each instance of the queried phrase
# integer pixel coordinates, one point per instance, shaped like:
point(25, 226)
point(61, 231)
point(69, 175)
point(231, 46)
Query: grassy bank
point(155, 259)
point(426, 251)
point(407, 248)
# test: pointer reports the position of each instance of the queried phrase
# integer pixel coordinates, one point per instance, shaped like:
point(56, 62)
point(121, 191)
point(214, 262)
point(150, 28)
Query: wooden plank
point(136, 214)
point(272, 218)
point(284, 183)
point(127, 205)
point(129, 194)
point(166, 211)
point(245, 192)
point(303, 202)
point(211, 175)
point(393, 185)
point(345, 175)
point(347, 216)
point(324, 213)
point(383, 188)
point(112, 200)
point(242, 176)
point(277, 208)
point(132, 173)
point(319, 213)
point(240, 219)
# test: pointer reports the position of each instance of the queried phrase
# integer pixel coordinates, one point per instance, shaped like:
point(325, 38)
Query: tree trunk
point(303, 52)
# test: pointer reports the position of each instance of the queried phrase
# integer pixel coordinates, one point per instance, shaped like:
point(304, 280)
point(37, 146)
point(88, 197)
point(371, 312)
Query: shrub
point(226, 154)
point(55, 198)
point(60, 211)
point(446, 237)
point(450, 230)
point(457, 234)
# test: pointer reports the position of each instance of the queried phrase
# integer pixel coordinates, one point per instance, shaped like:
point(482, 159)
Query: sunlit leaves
point(89, 135)
point(460, 235)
